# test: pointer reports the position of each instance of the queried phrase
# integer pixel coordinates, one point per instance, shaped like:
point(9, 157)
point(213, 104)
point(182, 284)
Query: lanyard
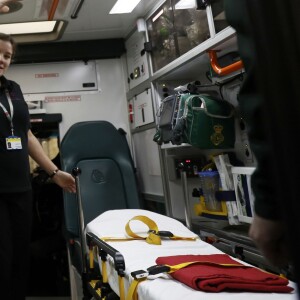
point(9, 116)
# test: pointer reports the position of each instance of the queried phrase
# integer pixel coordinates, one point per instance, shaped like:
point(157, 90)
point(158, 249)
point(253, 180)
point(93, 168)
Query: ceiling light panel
point(28, 27)
point(124, 6)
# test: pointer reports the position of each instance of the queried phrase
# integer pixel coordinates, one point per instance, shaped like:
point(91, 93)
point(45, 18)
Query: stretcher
point(108, 231)
point(113, 243)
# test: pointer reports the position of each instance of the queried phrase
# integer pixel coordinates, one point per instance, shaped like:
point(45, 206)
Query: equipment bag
point(209, 122)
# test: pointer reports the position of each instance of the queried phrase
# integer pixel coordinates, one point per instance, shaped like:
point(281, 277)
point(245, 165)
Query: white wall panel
point(137, 62)
point(107, 103)
point(55, 77)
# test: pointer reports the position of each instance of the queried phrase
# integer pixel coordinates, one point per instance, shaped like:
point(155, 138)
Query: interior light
point(124, 6)
point(28, 27)
point(185, 4)
point(28, 32)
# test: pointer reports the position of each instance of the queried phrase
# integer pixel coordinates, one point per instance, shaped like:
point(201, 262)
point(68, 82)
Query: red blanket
point(211, 276)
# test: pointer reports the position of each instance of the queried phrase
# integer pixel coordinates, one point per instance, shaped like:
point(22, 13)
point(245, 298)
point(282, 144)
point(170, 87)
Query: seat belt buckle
point(139, 274)
point(157, 269)
point(166, 234)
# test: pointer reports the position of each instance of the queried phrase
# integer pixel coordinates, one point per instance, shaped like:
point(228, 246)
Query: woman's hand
point(65, 180)
point(3, 8)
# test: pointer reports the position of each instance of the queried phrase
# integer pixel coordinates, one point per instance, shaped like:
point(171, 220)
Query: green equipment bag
point(209, 122)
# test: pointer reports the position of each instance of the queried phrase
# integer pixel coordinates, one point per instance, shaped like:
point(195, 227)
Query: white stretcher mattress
point(141, 255)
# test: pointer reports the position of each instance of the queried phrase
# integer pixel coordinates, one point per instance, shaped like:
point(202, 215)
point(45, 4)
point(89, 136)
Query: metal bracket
point(202, 4)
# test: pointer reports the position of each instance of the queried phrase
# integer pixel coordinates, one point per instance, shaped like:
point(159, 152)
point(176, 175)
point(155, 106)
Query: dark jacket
point(252, 110)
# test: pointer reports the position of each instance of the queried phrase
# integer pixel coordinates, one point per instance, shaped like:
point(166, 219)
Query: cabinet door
point(136, 60)
point(174, 29)
point(191, 25)
point(162, 36)
point(143, 111)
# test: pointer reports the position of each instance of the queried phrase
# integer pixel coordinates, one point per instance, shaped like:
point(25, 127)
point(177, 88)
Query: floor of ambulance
point(49, 285)
point(49, 271)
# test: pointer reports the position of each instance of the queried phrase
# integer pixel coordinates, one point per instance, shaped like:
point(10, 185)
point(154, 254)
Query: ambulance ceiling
point(93, 21)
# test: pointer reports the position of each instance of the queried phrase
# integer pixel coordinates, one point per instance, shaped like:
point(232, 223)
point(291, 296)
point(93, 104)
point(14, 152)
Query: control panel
point(190, 166)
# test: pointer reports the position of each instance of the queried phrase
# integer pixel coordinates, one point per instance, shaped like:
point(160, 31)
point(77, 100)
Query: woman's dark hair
point(7, 38)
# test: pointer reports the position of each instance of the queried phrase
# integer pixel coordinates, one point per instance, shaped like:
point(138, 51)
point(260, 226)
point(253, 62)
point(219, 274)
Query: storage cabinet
point(161, 32)
point(174, 29)
point(179, 36)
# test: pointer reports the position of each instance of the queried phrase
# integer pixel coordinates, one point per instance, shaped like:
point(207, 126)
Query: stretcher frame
point(105, 248)
point(93, 282)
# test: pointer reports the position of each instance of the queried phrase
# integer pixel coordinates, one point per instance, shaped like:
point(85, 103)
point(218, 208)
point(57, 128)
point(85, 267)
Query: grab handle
point(223, 70)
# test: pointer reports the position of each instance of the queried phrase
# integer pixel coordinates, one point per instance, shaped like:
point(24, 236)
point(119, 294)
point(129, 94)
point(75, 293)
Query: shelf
point(171, 146)
point(46, 118)
point(45, 125)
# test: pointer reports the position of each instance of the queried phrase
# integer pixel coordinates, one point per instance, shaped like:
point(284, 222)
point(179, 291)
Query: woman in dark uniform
point(17, 142)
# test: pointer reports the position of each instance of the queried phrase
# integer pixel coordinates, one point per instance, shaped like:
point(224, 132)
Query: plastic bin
point(210, 185)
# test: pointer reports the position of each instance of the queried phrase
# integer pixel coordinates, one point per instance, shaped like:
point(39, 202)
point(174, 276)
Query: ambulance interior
point(122, 68)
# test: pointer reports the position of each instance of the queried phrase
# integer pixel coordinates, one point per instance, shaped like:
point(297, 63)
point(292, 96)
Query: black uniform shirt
point(14, 164)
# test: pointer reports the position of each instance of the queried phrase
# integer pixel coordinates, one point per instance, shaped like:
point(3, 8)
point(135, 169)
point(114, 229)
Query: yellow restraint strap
point(153, 233)
point(152, 238)
point(132, 292)
point(120, 279)
point(91, 256)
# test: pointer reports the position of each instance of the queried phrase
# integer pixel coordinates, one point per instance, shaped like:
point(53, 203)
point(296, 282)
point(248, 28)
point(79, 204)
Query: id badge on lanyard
point(13, 142)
